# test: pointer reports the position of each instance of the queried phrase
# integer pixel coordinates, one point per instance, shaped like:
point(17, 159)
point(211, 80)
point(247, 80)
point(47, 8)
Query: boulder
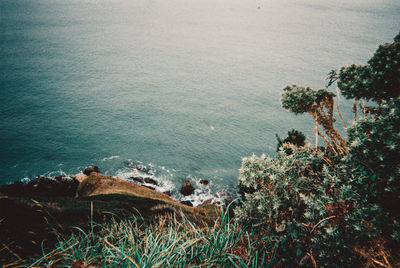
point(187, 188)
point(90, 169)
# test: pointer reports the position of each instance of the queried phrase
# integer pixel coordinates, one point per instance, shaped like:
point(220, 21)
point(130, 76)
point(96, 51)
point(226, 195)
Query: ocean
point(184, 87)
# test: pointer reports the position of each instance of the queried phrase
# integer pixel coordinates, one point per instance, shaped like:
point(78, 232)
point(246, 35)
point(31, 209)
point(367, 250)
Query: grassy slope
point(28, 223)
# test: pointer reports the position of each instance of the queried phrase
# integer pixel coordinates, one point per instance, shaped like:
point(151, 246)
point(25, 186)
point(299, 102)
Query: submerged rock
point(138, 167)
point(204, 182)
point(187, 203)
point(90, 169)
point(167, 193)
point(137, 179)
point(150, 181)
point(143, 169)
point(187, 188)
point(149, 187)
point(142, 180)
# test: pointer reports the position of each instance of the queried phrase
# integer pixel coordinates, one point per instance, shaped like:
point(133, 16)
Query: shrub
point(324, 207)
point(373, 161)
point(305, 207)
point(377, 81)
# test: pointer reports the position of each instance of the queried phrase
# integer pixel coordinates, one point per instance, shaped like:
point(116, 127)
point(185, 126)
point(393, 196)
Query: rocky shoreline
point(67, 186)
point(34, 214)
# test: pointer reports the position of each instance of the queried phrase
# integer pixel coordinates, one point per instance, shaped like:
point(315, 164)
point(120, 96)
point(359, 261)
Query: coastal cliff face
point(36, 213)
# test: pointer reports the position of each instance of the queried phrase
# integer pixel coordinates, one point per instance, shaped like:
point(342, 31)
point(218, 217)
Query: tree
point(319, 104)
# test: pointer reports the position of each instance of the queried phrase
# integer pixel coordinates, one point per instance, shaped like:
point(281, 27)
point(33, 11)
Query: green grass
point(166, 242)
point(29, 226)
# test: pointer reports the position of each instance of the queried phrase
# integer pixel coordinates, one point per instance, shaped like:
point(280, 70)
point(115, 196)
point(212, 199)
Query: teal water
point(185, 86)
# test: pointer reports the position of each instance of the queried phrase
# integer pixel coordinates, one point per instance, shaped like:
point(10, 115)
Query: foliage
point(373, 159)
point(299, 99)
point(319, 104)
point(167, 242)
point(301, 204)
point(355, 81)
point(323, 207)
point(379, 80)
point(294, 137)
point(385, 65)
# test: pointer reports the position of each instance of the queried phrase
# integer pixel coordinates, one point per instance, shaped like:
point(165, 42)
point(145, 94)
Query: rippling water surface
point(187, 87)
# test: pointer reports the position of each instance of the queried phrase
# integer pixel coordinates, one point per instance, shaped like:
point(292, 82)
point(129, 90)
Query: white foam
point(163, 183)
point(53, 174)
point(204, 193)
point(25, 180)
point(110, 158)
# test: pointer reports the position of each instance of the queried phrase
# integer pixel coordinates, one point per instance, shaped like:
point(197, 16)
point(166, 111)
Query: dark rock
point(142, 180)
point(42, 186)
point(204, 182)
point(143, 169)
point(90, 169)
point(14, 189)
point(128, 164)
point(167, 193)
point(137, 179)
point(150, 181)
point(59, 178)
point(187, 203)
point(187, 188)
point(149, 187)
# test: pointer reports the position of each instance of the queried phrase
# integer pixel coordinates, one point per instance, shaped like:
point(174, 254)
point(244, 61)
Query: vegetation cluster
point(335, 204)
point(167, 242)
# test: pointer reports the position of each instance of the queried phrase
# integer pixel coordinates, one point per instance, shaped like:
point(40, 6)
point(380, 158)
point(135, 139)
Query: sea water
point(184, 87)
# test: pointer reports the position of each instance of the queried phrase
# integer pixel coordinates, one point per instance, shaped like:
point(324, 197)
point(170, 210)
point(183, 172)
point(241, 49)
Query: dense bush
point(329, 207)
point(379, 80)
point(304, 206)
point(373, 161)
